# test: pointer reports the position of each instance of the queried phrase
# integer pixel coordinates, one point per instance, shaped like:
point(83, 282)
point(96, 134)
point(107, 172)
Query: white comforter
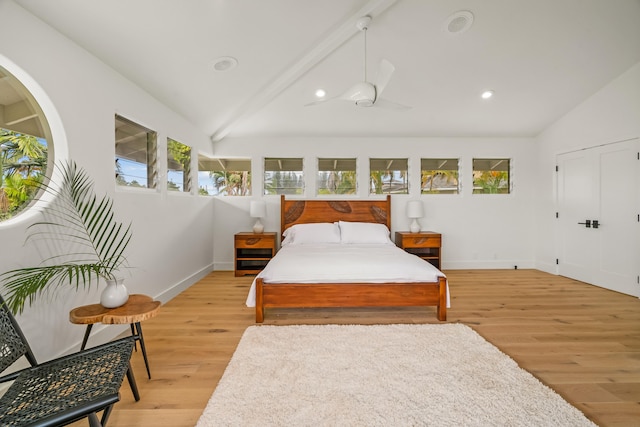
point(336, 263)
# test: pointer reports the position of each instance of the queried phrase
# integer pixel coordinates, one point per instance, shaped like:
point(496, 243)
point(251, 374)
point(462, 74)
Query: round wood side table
point(137, 308)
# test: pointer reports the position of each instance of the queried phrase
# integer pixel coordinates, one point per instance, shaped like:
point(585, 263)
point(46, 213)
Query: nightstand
point(425, 244)
point(253, 251)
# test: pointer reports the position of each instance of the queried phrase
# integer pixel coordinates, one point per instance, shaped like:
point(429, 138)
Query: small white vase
point(115, 294)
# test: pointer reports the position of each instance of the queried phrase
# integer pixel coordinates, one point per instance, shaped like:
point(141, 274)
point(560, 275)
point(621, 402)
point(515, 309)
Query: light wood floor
point(582, 341)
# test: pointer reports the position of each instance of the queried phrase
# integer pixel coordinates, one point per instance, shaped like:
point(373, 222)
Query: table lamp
point(258, 209)
point(415, 211)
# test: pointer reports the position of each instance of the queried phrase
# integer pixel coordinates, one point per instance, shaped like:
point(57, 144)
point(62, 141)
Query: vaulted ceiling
point(541, 58)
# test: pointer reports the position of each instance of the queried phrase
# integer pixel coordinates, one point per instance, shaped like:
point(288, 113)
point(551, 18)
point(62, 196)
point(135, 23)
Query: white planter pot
point(115, 294)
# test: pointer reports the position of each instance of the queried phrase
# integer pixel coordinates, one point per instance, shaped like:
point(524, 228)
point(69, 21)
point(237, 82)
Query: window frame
point(336, 166)
point(499, 163)
point(286, 164)
point(441, 162)
point(150, 151)
point(26, 122)
point(389, 163)
point(184, 169)
point(227, 165)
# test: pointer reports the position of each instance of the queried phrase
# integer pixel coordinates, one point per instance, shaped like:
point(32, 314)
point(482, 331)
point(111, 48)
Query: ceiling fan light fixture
point(364, 103)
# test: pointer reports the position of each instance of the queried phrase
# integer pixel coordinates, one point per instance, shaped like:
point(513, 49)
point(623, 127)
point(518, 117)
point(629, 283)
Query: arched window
point(26, 148)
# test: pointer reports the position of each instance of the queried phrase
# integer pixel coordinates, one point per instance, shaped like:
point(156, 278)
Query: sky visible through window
point(176, 177)
point(205, 182)
point(134, 171)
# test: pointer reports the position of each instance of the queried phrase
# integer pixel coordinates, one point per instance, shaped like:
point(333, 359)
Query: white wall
point(172, 233)
point(479, 231)
point(610, 115)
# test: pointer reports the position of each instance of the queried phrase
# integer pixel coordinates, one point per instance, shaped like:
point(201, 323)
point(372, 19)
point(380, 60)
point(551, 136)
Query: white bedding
point(336, 263)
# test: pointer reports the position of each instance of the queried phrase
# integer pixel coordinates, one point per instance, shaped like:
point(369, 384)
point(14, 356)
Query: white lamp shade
point(415, 209)
point(258, 209)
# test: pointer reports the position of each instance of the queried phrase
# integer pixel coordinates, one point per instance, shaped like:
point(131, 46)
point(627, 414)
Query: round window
point(25, 146)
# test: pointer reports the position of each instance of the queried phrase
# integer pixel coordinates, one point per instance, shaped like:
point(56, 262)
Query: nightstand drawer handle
point(253, 241)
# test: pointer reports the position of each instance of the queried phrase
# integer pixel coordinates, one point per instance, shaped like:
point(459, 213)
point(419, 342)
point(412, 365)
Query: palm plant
point(232, 183)
point(85, 241)
point(23, 159)
point(439, 181)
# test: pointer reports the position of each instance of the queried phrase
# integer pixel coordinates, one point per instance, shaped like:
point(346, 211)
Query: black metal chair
point(63, 390)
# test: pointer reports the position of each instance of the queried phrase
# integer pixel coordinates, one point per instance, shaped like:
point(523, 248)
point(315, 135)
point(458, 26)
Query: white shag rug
point(379, 375)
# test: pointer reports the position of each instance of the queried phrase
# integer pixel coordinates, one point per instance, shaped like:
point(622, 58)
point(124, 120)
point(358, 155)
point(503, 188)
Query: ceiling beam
point(313, 56)
point(18, 112)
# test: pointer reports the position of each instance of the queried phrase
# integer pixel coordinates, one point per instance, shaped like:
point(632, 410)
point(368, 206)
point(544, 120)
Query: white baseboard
point(487, 265)
point(547, 267)
point(223, 266)
point(172, 292)
point(446, 265)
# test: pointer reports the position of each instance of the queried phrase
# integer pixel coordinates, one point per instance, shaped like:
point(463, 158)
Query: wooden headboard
point(309, 211)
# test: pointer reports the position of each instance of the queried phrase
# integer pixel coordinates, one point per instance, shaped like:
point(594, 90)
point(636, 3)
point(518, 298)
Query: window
point(439, 176)
point(25, 139)
point(491, 176)
point(224, 177)
point(136, 156)
point(178, 166)
point(283, 176)
point(336, 176)
point(388, 176)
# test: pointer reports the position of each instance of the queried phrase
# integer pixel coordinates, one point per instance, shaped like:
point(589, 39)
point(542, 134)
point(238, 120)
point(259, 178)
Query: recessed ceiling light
point(458, 22)
point(320, 93)
point(487, 94)
point(224, 63)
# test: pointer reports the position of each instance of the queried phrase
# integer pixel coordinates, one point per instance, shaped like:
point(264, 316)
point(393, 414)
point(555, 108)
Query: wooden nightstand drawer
point(251, 240)
point(252, 252)
point(425, 244)
point(420, 241)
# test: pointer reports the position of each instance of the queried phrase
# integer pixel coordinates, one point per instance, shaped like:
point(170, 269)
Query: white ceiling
point(541, 57)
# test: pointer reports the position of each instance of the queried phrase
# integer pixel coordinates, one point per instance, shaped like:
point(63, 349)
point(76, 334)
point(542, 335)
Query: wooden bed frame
point(282, 295)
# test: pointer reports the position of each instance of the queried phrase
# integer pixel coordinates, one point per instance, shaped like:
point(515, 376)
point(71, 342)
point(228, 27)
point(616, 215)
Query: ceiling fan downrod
point(363, 25)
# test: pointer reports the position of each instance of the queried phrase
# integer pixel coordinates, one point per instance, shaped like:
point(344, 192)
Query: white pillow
point(308, 234)
point(364, 232)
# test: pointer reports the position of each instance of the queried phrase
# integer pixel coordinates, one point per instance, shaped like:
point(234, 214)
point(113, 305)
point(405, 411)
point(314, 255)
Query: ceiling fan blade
point(321, 101)
point(390, 105)
point(385, 71)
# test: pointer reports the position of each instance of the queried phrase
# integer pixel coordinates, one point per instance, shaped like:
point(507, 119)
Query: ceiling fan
point(365, 93)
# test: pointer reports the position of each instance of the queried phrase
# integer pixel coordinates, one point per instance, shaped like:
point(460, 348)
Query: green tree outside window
point(23, 161)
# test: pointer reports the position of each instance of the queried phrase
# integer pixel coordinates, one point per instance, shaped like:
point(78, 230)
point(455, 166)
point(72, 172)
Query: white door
point(599, 214)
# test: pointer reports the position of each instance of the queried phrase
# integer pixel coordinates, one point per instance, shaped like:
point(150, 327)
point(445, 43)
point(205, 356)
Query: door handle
point(586, 223)
point(596, 223)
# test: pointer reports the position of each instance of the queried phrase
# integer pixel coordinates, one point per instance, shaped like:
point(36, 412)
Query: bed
point(360, 267)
